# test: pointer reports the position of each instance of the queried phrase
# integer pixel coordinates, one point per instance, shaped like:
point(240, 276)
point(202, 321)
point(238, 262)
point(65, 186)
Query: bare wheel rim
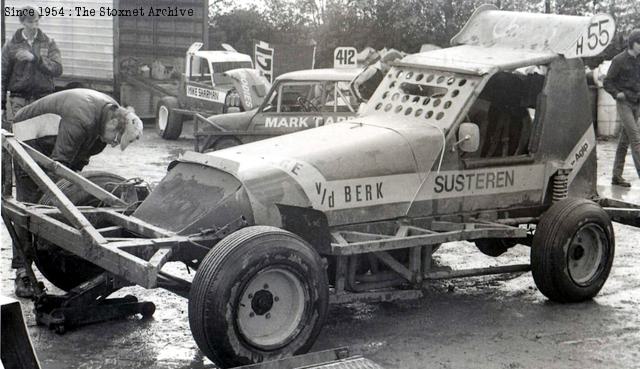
point(163, 117)
point(586, 254)
point(271, 308)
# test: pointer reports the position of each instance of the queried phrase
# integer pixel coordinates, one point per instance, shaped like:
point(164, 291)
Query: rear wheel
point(60, 267)
point(271, 307)
point(168, 122)
point(572, 251)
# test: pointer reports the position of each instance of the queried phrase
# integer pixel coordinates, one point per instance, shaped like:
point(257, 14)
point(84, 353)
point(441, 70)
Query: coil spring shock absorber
point(561, 185)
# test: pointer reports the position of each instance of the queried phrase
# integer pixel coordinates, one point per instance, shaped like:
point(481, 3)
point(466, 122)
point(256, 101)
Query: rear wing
point(570, 36)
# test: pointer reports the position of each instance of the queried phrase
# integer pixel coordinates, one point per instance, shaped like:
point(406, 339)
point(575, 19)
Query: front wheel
point(572, 251)
point(260, 294)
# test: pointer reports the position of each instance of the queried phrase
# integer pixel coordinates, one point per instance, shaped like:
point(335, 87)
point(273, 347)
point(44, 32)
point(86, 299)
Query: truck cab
point(206, 82)
point(213, 82)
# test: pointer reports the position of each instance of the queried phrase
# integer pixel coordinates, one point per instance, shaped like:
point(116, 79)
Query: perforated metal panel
point(434, 97)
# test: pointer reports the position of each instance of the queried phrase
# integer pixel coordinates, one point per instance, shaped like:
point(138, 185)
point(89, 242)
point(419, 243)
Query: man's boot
point(619, 181)
point(23, 286)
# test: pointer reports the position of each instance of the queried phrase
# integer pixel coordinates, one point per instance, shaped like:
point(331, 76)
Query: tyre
point(60, 267)
point(260, 294)
point(220, 143)
point(572, 252)
point(168, 122)
point(494, 246)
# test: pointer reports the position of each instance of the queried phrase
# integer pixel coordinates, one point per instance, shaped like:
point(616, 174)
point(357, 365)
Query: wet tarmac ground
point(500, 322)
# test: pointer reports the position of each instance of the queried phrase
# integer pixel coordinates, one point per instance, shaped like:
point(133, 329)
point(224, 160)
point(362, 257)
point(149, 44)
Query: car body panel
point(478, 60)
point(566, 35)
point(277, 116)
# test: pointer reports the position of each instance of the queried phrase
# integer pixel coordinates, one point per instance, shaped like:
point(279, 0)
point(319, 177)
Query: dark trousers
point(26, 189)
point(629, 137)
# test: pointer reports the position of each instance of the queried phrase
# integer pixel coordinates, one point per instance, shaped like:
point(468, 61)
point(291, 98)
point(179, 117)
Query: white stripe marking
point(40, 126)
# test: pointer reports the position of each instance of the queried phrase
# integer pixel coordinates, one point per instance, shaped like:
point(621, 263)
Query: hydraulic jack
point(87, 304)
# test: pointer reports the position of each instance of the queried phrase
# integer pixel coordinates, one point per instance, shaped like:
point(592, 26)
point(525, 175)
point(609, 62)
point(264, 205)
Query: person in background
point(623, 83)
point(30, 62)
point(366, 82)
point(68, 126)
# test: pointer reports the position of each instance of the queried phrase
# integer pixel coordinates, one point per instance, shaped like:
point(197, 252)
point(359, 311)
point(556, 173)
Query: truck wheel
point(168, 122)
point(572, 251)
point(260, 294)
point(60, 267)
point(494, 246)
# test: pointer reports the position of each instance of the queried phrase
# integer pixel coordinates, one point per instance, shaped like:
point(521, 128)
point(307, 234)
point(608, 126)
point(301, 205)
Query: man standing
point(623, 83)
point(88, 121)
point(30, 62)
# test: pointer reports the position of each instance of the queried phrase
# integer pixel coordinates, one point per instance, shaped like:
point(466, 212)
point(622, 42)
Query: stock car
point(490, 140)
point(298, 100)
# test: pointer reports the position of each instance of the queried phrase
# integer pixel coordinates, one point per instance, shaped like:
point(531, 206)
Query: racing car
point(489, 141)
point(298, 100)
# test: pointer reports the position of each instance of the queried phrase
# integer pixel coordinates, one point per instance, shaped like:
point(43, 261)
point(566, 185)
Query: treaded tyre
point(573, 250)
point(60, 267)
point(260, 294)
point(168, 122)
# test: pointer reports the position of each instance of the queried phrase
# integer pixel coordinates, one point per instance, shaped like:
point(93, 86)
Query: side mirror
point(469, 137)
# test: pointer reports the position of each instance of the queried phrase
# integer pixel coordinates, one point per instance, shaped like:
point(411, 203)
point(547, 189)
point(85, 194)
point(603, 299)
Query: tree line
point(402, 24)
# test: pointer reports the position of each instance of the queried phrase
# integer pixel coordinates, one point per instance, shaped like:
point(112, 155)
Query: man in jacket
point(623, 83)
point(30, 62)
point(88, 121)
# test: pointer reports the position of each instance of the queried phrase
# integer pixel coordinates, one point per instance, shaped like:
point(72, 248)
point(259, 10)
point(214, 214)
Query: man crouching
point(88, 121)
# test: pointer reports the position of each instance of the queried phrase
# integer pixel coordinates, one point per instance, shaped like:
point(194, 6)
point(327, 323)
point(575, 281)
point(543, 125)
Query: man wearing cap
point(30, 62)
point(623, 83)
point(366, 82)
point(88, 121)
